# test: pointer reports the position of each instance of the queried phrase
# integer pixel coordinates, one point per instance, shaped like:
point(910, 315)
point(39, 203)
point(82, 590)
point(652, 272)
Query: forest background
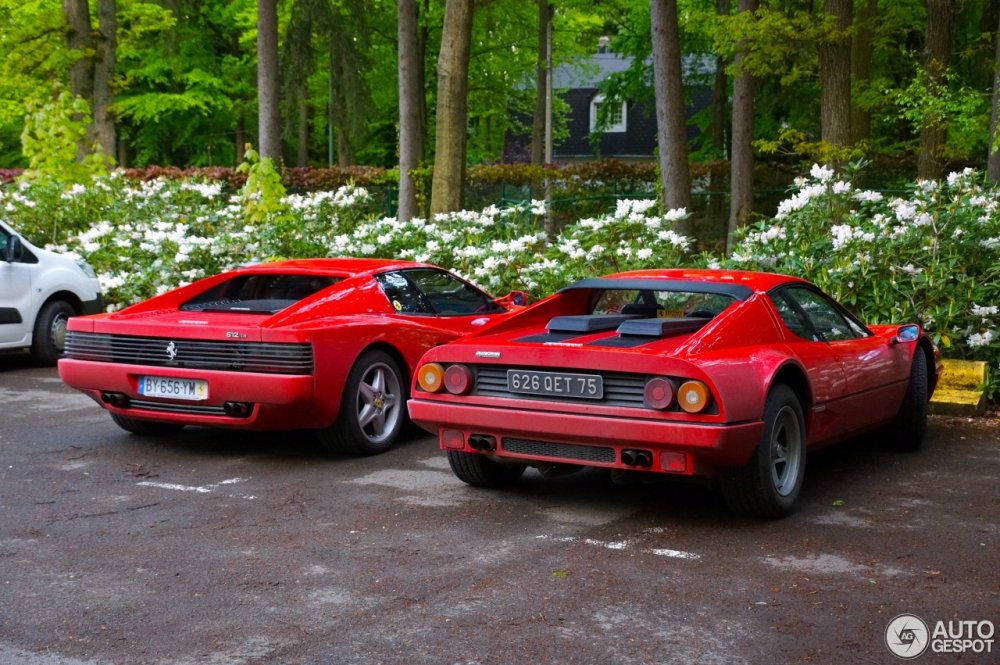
point(377, 125)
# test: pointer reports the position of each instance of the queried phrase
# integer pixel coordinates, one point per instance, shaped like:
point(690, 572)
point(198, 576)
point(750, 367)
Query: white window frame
point(618, 127)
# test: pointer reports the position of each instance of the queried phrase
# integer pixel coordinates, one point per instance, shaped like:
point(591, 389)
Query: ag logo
point(907, 636)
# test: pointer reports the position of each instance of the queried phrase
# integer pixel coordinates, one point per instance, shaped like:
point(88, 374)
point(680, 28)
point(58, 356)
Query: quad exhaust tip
point(483, 442)
point(237, 409)
point(119, 400)
point(642, 458)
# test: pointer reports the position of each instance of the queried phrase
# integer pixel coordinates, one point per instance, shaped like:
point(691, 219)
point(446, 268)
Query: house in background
point(631, 136)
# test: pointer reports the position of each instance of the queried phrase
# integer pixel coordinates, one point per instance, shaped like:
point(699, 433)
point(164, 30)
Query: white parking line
point(621, 545)
point(202, 489)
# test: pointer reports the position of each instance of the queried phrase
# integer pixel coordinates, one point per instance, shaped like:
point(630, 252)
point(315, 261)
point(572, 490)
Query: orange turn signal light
point(693, 396)
point(430, 377)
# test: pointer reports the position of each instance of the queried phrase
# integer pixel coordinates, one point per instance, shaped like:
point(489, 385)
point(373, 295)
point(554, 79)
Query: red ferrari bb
point(733, 376)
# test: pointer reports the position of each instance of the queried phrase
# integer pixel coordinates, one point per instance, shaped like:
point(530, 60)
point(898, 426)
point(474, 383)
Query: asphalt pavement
point(226, 548)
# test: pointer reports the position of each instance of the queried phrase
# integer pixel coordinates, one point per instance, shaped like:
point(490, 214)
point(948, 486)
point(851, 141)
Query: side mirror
point(513, 299)
point(12, 252)
point(907, 333)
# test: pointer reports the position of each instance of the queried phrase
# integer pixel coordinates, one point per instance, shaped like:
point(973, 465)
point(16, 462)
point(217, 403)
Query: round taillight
point(693, 396)
point(659, 393)
point(458, 379)
point(430, 377)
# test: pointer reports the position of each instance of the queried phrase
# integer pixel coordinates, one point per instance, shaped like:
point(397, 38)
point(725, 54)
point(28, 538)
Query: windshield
point(258, 294)
point(660, 304)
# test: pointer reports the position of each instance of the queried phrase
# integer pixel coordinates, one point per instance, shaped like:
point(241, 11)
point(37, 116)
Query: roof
point(342, 266)
point(734, 281)
point(592, 70)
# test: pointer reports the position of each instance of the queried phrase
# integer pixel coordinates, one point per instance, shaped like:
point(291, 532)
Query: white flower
point(984, 311)
point(980, 339)
point(821, 173)
point(644, 253)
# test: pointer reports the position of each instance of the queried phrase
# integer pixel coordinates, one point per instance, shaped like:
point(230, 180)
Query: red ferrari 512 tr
point(324, 344)
point(728, 375)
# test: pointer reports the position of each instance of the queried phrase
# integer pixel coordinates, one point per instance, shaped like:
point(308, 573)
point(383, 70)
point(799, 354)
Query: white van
point(39, 291)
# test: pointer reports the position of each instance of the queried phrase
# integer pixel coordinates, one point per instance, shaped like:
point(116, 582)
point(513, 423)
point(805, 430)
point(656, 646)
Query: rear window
point(660, 304)
point(258, 294)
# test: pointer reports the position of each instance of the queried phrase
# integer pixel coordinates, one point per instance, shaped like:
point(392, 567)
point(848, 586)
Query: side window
point(404, 296)
point(824, 314)
point(794, 320)
point(450, 296)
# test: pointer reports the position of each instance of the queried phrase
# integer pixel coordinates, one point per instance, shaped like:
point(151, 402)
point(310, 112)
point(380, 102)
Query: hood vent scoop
point(661, 327)
point(585, 324)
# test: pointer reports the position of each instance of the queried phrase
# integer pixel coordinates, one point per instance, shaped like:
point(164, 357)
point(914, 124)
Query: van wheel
point(48, 339)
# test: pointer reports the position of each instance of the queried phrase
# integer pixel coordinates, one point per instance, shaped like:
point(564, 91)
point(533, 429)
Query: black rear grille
point(195, 409)
point(560, 450)
point(620, 389)
point(263, 357)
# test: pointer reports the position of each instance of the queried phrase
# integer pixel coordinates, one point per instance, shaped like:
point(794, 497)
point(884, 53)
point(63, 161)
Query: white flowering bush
point(144, 238)
point(931, 256)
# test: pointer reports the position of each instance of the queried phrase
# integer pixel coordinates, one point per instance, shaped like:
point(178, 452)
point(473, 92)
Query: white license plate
point(161, 386)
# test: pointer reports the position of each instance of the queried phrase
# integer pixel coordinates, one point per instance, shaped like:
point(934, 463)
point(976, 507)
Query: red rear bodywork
point(845, 387)
point(289, 367)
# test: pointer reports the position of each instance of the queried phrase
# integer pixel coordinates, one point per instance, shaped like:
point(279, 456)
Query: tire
point(48, 339)
point(907, 430)
point(769, 484)
point(372, 409)
point(146, 427)
point(481, 471)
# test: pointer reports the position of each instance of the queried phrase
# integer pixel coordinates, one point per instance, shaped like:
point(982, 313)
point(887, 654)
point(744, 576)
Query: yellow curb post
point(961, 389)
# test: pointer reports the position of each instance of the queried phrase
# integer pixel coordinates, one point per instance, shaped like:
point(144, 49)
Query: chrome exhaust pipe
point(118, 400)
point(483, 442)
point(642, 458)
point(237, 409)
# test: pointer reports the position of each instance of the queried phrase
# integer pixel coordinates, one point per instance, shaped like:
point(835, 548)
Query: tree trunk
point(671, 122)
point(411, 91)
point(937, 53)
point(541, 84)
point(862, 55)
point(835, 76)
point(993, 162)
point(80, 38)
point(720, 100)
point(268, 86)
point(104, 71)
point(452, 107)
point(741, 160)
point(302, 122)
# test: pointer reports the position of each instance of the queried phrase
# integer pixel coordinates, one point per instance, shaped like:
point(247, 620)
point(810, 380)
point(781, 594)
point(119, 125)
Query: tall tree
point(452, 107)
point(540, 119)
point(93, 68)
point(835, 74)
point(671, 123)
point(411, 92)
point(993, 160)
point(268, 81)
point(862, 68)
point(937, 54)
point(741, 155)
